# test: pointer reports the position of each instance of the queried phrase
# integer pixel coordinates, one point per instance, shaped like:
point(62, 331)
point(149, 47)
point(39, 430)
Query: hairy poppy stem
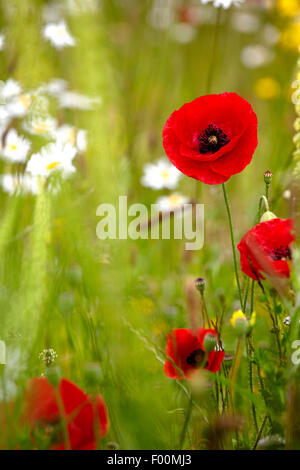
point(233, 245)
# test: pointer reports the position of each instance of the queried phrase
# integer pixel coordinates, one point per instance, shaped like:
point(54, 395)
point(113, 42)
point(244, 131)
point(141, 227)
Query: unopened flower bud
point(268, 215)
point(209, 342)
point(200, 284)
point(240, 323)
point(268, 177)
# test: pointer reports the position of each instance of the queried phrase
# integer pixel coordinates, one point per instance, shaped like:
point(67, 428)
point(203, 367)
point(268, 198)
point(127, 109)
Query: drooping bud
point(200, 284)
point(268, 177)
point(268, 215)
point(209, 342)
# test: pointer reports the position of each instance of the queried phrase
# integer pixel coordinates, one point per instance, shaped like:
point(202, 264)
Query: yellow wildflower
point(267, 88)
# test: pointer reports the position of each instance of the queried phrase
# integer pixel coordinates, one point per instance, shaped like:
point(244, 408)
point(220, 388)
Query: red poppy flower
point(267, 248)
point(187, 351)
point(212, 137)
point(83, 414)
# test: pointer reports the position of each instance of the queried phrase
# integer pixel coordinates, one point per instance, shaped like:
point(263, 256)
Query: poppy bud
point(209, 342)
point(200, 284)
point(268, 215)
point(268, 177)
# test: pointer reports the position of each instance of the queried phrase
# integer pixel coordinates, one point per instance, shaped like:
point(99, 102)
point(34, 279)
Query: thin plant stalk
point(233, 245)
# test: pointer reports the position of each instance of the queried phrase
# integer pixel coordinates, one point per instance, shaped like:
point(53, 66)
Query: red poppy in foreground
point(186, 349)
point(267, 248)
point(212, 137)
point(86, 417)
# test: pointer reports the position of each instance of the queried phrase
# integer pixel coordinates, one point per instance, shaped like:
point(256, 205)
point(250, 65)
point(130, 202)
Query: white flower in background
point(9, 89)
point(74, 100)
point(2, 41)
point(52, 157)
point(69, 134)
point(58, 34)
point(183, 32)
point(4, 117)
point(224, 3)
point(171, 202)
point(287, 194)
point(55, 87)
point(162, 14)
point(271, 34)
point(245, 22)
point(20, 105)
point(77, 7)
point(16, 147)
point(255, 56)
point(12, 183)
point(43, 126)
point(161, 174)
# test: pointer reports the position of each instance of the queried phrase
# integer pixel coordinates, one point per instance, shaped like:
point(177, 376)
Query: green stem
point(233, 245)
point(260, 432)
point(186, 422)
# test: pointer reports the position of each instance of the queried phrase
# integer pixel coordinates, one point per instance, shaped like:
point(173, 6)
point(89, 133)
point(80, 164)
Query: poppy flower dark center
point(281, 253)
point(195, 359)
point(212, 139)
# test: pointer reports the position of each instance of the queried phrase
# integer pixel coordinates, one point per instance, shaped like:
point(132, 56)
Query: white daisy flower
point(16, 147)
point(255, 56)
point(161, 174)
point(74, 100)
point(20, 105)
point(4, 117)
point(58, 34)
point(224, 3)
point(43, 126)
point(52, 157)
point(12, 183)
point(55, 87)
point(172, 202)
point(9, 89)
point(2, 41)
point(69, 134)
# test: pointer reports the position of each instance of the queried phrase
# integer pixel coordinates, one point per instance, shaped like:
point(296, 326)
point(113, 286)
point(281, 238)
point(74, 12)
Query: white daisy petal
point(59, 35)
point(16, 147)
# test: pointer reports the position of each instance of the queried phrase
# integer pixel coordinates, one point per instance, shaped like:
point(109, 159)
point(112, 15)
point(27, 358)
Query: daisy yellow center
point(165, 175)
point(25, 101)
point(13, 147)
point(71, 137)
point(52, 165)
point(41, 127)
point(174, 199)
point(61, 31)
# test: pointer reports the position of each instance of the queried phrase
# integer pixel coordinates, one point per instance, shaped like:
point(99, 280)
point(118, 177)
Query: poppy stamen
point(281, 253)
point(196, 358)
point(212, 139)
